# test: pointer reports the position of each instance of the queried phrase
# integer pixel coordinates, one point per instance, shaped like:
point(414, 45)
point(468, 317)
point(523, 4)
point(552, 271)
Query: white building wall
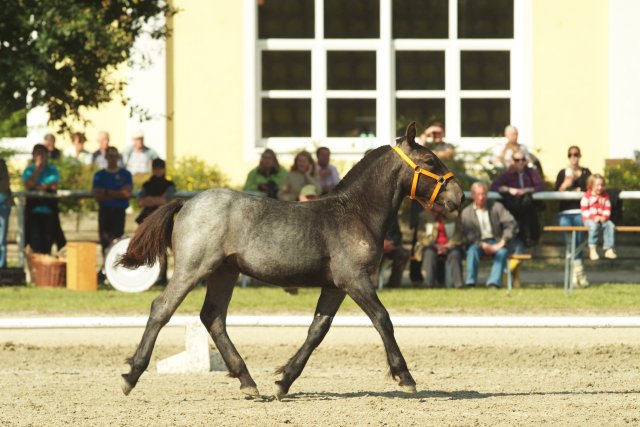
point(624, 80)
point(146, 90)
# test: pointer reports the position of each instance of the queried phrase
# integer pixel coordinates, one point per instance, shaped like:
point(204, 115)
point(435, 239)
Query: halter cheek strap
point(417, 171)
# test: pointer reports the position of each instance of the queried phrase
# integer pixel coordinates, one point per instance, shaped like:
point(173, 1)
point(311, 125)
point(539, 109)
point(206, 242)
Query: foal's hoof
point(126, 385)
point(408, 388)
point(280, 391)
point(250, 391)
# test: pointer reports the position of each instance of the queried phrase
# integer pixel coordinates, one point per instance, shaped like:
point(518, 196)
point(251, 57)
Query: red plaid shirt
point(592, 206)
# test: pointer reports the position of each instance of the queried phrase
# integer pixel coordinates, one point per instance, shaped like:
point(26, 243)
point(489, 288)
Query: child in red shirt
point(596, 210)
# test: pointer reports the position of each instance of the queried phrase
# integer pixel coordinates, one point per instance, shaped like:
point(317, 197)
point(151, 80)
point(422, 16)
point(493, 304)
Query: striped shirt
point(593, 205)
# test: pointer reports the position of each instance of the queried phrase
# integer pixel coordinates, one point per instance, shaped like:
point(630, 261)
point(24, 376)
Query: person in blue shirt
point(41, 214)
point(6, 200)
point(112, 190)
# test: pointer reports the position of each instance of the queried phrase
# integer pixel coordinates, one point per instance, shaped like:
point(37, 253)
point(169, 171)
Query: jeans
point(608, 233)
point(499, 263)
point(5, 210)
point(575, 220)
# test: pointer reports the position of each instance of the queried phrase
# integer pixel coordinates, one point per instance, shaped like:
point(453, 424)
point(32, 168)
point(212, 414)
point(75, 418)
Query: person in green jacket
point(267, 178)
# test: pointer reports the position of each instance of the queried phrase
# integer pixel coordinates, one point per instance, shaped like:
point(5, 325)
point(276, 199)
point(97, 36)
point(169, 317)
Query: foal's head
point(432, 174)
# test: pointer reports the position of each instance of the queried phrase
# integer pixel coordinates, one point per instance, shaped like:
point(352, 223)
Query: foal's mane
point(356, 171)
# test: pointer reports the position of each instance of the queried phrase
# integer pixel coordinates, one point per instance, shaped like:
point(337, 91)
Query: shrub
point(192, 174)
point(626, 176)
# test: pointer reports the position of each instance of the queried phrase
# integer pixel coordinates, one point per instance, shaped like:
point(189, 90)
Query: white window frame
point(385, 95)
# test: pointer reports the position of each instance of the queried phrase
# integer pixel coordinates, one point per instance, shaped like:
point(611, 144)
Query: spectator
point(439, 243)
point(112, 190)
point(6, 201)
point(393, 250)
point(516, 186)
point(327, 174)
point(596, 210)
point(503, 153)
point(266, 179)
point(488, 227)
point(156, 191)
point(99, 157)
point(42, 224)
point(76, 150)
point(137, 158)
point(433, 138)
point(308, 192)
point(573, 178)
point(50, 144)
point(302, 173)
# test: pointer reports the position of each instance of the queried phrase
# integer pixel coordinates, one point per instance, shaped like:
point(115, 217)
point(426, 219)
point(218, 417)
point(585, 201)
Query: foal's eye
point(430, 162)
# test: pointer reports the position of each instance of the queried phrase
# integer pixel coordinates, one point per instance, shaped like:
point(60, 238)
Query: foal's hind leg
point(162, 309)
point(365, 296)
point(328, 304)
point(220, 286)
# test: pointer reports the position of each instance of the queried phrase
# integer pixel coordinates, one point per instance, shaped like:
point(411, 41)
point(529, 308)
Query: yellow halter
point(417, 170)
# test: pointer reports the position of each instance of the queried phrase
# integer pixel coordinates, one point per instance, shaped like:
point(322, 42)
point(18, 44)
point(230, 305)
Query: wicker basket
point(48, 271)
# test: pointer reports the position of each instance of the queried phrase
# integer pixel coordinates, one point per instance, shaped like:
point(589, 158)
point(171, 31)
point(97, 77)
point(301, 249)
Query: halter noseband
point(417, 170)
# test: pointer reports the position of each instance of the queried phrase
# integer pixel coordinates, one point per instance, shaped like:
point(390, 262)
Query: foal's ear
point(410, 133)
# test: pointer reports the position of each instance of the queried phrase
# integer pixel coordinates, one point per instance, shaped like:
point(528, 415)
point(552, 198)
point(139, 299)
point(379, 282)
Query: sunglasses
point(518, 159)
point(574, 155)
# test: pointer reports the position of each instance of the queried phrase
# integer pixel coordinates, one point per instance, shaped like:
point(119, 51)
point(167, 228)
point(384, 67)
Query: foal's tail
point(152, 238)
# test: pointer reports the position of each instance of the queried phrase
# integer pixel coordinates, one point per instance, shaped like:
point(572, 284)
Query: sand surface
point(556, 377)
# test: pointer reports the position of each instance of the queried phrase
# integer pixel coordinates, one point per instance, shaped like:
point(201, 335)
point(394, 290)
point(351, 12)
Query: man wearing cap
point(138, 157)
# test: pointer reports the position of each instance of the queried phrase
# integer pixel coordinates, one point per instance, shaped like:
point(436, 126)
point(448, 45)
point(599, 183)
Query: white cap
point(137, 134)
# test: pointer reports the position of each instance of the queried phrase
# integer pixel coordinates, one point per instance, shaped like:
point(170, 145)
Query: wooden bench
point(572, 249)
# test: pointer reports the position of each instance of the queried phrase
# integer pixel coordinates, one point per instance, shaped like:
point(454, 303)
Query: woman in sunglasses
point(573, 178)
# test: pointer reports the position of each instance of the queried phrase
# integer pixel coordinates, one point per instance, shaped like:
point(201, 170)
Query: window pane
point(286, 70)
point(422, 111)
point(484, 70)
point(286, 19)
point(351, 70)
point(422, 70)
point(351, 117)
point(485, 19)
point(485, 117)
point(420, 19)
point(351, 19)
point(286, 117)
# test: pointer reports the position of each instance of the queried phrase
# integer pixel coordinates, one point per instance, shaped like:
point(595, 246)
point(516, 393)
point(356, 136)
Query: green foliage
point(78, 177)
point(192, 174)
point(62, 52)
point(626, 176)
point(14, 125)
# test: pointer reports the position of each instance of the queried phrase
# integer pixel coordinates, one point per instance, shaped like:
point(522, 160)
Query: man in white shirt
point(488, 227)
point(138, 157)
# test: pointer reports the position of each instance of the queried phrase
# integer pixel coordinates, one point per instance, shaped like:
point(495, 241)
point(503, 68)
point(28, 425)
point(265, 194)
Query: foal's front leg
point(328, 304)
point(220, 286)
point(363, 293)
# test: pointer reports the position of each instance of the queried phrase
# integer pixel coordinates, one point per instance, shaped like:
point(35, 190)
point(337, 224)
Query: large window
point(350, 74)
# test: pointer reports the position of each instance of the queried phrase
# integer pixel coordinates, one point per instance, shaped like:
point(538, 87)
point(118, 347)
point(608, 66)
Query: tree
point(61, 53)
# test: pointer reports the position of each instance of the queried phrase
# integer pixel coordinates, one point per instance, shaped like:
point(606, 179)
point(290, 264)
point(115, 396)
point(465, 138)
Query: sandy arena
point(559, 377)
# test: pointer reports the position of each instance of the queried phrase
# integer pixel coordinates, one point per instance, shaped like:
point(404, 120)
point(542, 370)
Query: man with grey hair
point(488, 228)
point(50, 143)
point(99, 157)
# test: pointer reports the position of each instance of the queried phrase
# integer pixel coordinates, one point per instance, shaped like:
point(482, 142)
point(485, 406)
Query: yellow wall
point(110, 117)
point(570, 81)
point(205, 85)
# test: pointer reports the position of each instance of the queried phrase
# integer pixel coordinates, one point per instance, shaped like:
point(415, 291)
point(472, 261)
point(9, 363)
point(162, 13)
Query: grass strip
point(599, 299)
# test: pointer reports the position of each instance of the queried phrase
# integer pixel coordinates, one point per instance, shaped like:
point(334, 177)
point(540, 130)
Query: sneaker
point(593, 253)
point(492, 286)
point(610, 253)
